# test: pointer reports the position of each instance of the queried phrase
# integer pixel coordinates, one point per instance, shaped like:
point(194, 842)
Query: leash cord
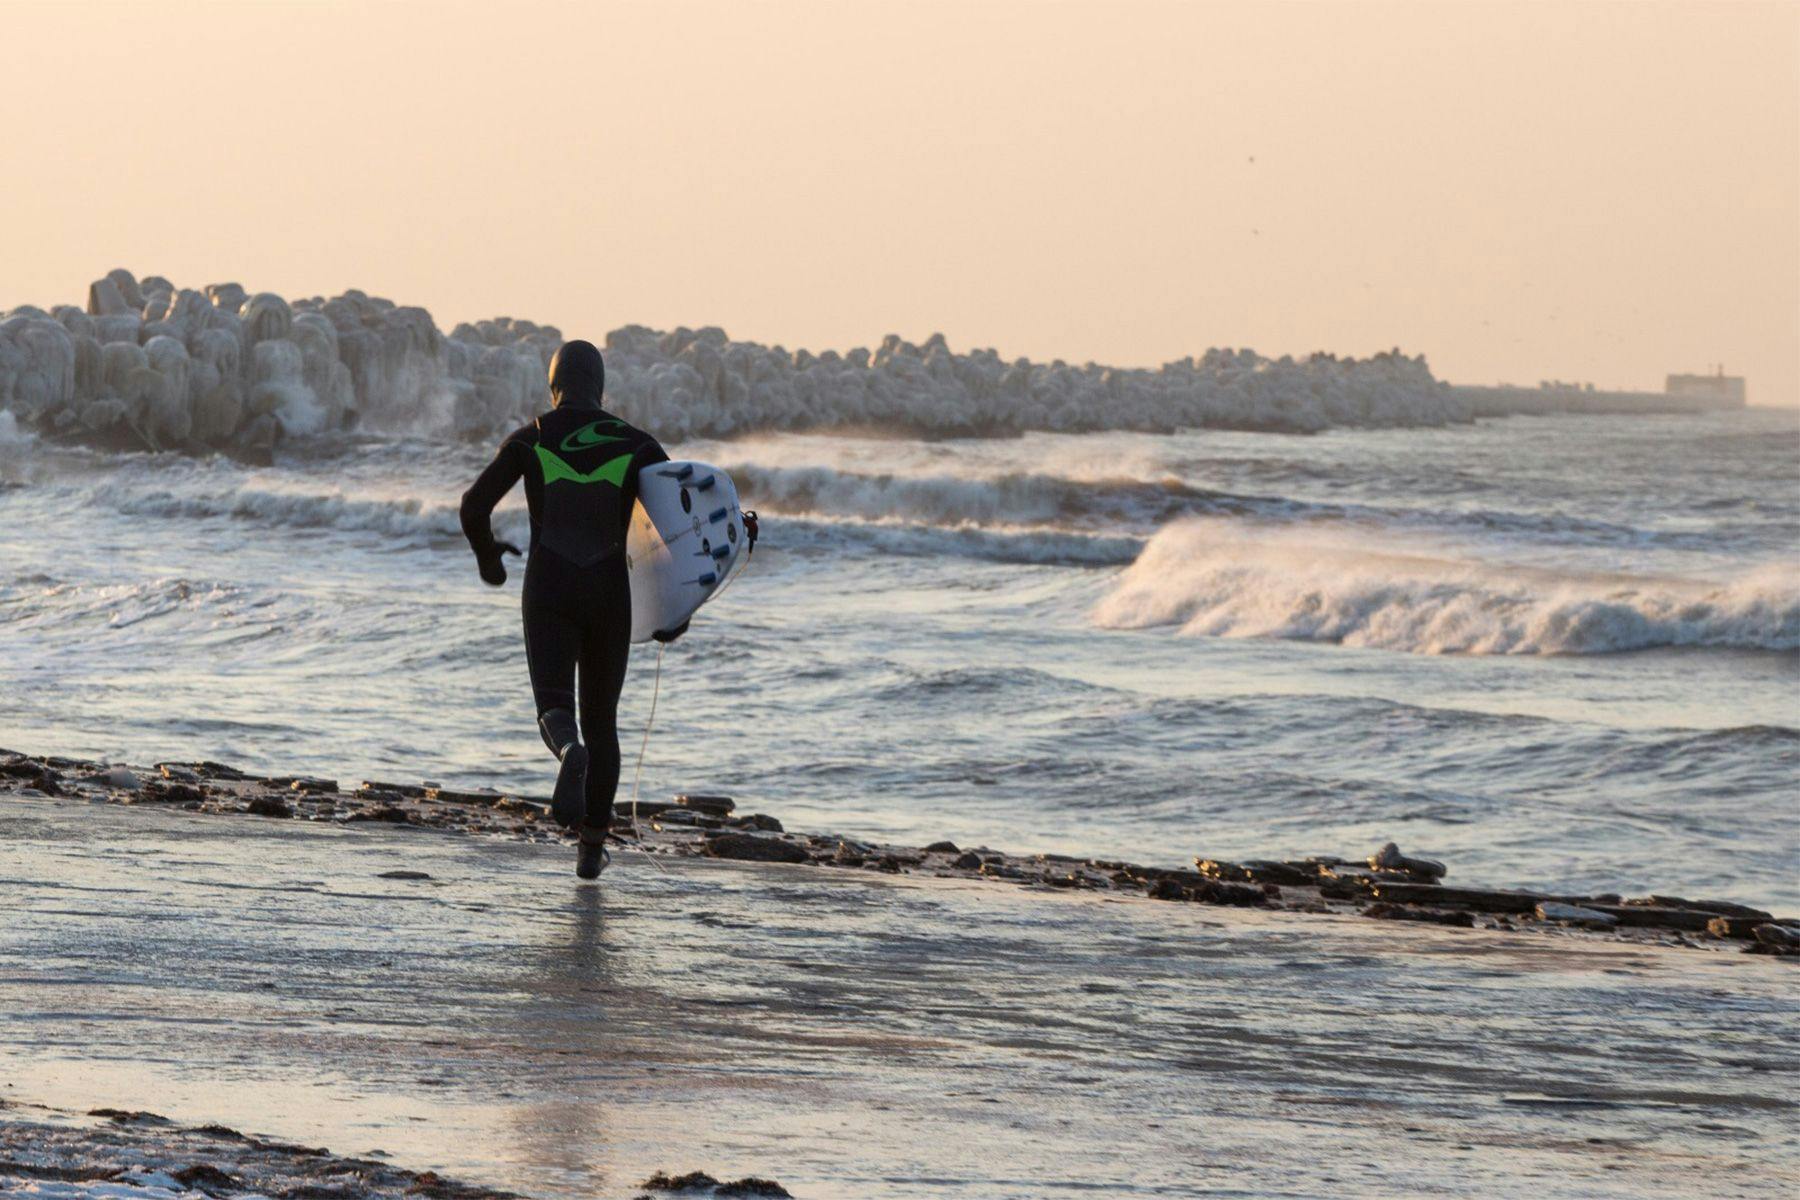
point(637, 777)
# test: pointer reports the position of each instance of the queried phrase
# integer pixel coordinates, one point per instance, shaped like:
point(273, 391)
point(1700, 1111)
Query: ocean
point(1558, 652)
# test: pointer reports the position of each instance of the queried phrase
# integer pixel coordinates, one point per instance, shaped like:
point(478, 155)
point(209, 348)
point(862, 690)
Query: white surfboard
point(686, 538)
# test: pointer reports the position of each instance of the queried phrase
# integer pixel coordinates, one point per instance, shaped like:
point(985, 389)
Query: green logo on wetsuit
point(612, 471)
point(590, 435)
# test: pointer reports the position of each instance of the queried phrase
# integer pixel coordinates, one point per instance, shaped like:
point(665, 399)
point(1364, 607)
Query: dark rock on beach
point(390, 813)
point(1575, 914)
point(1721, 907)
point(1656, 916)
point(103, 1154)
point(1387, 885)
point(1389, 858)
point(704, 1184)
point(1476, 899)
point(689, 817)
point(158, 791)
point(1743, 928)
point(33, 775)
point(204, 1177)
point(1259, 871)
point(752, 847)
point(127, 1116)
point(1772, 938)
point(1188, 885)
point(1461, 918)
point(712, 806)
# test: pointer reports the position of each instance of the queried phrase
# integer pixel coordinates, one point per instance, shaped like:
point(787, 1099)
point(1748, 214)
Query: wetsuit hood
point(577, 376)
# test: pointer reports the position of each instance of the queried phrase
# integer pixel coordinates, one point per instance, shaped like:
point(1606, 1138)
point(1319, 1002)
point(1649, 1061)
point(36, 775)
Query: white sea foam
point(1236, 579)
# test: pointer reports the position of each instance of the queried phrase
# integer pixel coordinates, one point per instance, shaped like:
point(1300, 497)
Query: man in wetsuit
point(580, 466)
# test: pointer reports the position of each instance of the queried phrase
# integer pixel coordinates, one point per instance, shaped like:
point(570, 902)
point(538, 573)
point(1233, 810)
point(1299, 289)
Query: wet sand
point(458, 1004)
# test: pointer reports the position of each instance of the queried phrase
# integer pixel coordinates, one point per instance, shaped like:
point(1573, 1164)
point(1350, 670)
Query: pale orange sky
point(1592, 191)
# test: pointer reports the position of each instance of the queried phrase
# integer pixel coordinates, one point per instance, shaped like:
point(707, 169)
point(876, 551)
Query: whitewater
point(1234, 607)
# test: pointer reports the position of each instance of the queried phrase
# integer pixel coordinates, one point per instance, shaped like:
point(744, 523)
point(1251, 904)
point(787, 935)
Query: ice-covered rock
point(170, 418)
point(75, 320)
point(279, 389)
point(114, 294)
point(364, 360)
point(217, 384)
point(37, 365)
point(119, 327)
point(227, 296)
point(266, 317)
point(90, 366)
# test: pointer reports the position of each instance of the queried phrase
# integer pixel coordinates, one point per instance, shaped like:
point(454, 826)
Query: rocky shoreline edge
point(1387, 885)
point(41, 1148)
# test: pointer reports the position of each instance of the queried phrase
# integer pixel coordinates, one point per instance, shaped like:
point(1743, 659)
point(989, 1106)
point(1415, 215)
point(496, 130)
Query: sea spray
point(1384, 590)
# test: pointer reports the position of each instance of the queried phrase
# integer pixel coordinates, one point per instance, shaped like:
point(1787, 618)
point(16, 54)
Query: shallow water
point(1558, 652)
point(855, 1035)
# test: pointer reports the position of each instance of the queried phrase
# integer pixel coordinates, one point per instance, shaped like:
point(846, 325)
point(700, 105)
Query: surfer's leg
point(605, 650)
point(552, 647)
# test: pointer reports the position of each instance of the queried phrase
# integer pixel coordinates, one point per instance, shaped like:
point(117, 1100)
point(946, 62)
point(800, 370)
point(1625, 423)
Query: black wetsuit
point(580, 465)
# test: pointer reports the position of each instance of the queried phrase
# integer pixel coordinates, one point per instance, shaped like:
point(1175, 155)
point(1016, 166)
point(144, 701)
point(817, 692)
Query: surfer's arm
point(648, 455)
point(478, 504)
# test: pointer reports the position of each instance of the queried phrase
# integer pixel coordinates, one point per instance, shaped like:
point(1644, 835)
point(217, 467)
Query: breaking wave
point(402, 520)
point(1139, 506)
point(1011, 499)
point(412, 522)
point(1231, 579)
point(1023, 547)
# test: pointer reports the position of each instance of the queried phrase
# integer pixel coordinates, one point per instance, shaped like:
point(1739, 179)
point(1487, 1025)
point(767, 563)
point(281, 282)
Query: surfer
point(580, 465)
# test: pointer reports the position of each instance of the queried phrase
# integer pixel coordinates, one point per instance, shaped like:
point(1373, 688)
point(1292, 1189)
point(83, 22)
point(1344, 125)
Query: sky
point(1599, 191)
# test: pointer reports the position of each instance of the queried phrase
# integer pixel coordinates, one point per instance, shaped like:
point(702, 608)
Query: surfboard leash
point(637, 776)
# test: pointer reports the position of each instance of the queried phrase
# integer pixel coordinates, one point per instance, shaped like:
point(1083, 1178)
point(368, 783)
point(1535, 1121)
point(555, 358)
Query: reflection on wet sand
point(572, 1006)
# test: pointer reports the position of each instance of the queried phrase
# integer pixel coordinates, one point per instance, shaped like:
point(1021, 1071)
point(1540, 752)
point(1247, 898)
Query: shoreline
point(156, 1157)
point(1386, 885)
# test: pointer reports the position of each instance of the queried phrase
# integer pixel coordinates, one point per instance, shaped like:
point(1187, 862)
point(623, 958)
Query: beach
point(900, 601)
point(447, 1001)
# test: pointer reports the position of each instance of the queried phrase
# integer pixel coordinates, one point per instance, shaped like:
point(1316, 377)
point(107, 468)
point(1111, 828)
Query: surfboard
point(686, 537)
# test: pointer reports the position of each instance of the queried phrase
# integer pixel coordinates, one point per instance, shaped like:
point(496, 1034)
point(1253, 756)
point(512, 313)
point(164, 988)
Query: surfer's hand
point(493, 567)
point(668, 635)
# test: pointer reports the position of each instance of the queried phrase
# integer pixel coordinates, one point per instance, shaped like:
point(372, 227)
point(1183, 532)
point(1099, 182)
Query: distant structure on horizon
point(1681, 394)
point(1717, 390)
